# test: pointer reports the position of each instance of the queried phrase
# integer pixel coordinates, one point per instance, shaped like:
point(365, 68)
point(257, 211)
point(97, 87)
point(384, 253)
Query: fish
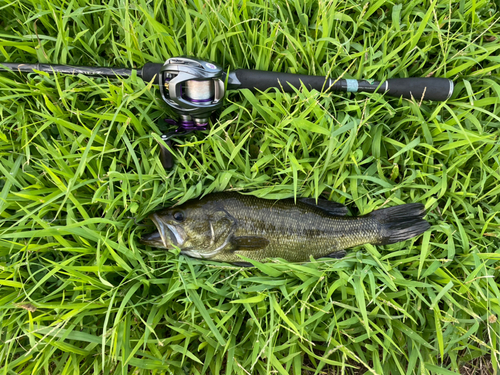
point(223, 226)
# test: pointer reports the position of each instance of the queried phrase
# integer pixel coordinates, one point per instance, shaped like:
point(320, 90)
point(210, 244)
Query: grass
point(79, 172)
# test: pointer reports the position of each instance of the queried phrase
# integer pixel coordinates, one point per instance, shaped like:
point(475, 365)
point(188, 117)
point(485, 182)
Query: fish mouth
point(167, 236)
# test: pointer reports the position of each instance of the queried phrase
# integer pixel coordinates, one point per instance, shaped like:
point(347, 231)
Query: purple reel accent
point(183, 127)
point(187, 126)
point(200, 101)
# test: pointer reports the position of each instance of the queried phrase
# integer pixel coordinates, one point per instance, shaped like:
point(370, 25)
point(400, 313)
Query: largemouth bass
point(222, 226)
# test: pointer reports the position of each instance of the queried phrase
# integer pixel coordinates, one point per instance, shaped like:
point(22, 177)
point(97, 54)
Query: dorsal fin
point(333, 208)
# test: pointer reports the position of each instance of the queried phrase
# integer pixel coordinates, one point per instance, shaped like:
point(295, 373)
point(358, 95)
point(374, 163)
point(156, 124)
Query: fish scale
point(223, 226)
point(295, 231)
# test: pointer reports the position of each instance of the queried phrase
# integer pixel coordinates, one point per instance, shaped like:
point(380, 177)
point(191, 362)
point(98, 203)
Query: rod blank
point(66, 69)
point(437, 89)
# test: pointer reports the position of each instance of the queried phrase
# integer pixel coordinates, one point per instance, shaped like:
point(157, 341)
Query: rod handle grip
point(150, 71)
point(262, 80)
point(436, 89)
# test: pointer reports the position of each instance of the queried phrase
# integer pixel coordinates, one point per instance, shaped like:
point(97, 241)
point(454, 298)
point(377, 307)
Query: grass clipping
point(79, 168)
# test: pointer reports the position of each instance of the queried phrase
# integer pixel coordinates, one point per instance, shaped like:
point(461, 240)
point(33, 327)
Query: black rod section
point(438, 89)
point(150, 71)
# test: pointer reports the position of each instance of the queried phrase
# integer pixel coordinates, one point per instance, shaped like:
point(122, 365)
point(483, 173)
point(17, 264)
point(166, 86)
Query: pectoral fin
point(332, 208)
point(249, 243)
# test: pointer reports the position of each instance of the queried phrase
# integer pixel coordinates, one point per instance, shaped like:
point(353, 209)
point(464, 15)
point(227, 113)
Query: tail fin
point(400, 223)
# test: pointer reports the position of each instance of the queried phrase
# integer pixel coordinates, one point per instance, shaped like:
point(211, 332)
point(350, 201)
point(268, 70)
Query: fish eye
point(178, 216)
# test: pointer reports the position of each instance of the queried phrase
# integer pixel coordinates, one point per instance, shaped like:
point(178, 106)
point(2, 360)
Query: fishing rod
point(195, 88)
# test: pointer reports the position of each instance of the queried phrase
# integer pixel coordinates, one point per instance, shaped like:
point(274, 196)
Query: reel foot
point(184, 127)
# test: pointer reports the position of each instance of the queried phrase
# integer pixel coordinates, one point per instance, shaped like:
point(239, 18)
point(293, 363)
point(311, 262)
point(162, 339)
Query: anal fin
point(336, 254)
point(242, 264)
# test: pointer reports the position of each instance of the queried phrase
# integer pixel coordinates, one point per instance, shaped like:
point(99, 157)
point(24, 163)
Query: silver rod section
point(66, 69)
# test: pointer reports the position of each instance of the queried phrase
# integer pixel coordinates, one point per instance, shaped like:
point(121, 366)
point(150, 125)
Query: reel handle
point(437, 89)
point(166, 158)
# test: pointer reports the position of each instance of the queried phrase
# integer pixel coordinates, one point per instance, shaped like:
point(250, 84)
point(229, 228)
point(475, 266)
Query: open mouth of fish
point(167, 235)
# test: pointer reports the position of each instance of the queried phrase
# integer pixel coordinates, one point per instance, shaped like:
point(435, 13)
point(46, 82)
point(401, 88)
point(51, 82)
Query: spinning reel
point(195, 88)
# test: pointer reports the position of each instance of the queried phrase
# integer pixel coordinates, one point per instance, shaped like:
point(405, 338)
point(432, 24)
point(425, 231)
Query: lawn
point(80, 172)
